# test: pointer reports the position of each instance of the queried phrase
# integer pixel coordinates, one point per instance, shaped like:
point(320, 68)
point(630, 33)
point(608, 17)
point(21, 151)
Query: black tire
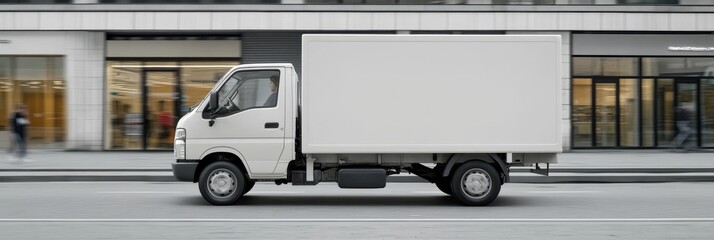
point(248, 186)
point(486, 183)
point(444, 185)
point(226, 192)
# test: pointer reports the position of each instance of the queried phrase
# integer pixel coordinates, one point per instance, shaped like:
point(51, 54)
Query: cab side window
point(247, 90)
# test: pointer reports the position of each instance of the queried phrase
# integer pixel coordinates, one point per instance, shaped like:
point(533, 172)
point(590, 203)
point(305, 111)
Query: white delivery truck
point(456, 110)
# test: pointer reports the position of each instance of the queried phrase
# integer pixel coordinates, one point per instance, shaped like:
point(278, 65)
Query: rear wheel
point(475, 183)
point(221, 183)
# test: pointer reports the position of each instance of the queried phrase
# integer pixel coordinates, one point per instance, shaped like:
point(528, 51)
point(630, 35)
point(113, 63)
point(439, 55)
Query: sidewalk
point(577, 166)
point(84, 161)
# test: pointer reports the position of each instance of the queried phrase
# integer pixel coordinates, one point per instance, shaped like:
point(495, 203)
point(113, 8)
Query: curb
point(611, 179)
point(85, 170)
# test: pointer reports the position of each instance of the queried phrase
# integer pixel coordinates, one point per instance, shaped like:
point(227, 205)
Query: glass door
point(687, 113)
point(707, 112)
point(665, 111)
point(605, 112)
point(629, 112)
point(160, 113)
point(677, 111)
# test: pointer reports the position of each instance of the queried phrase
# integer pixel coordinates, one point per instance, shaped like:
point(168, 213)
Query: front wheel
point(475, 183)
point(221, 183)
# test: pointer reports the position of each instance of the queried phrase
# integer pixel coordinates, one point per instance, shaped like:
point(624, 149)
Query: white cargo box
point(431, 94)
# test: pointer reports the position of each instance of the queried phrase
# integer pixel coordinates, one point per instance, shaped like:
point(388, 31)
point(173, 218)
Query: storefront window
point(5, 96)
point(648, 117)
point(605, 114)
point(161, 100)
point(665, 112)
point(124, 93)
point(146, 99)
point(197, 79)
point(707, 101)
point(582, 112)
point(635, 100)
point(605, 66)
point(629, 112)
point(39, 83)
point(681, 67)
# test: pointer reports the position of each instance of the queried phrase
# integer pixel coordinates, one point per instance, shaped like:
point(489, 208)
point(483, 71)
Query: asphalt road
point(130, 210)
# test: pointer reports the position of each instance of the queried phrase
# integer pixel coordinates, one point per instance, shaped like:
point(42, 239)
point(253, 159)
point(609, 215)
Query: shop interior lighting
point(172, 66)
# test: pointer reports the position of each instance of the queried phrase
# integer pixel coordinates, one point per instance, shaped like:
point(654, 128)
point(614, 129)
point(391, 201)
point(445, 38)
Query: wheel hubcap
point(476, 183)
point(222, 183)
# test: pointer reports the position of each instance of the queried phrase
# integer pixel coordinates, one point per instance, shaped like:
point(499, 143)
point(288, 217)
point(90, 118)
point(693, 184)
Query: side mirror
point(212, 106)
point(213, 101)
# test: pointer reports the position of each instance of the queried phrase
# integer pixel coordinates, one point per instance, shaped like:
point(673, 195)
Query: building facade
point(107, 76)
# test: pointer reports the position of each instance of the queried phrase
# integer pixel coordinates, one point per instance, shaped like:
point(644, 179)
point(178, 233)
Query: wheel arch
point(218, 156)
point(491, 158)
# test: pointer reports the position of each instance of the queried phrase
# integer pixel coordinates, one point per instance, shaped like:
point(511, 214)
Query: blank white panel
point(427, 93)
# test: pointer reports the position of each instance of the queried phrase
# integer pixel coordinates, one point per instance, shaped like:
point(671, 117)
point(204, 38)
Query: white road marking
point(484, 220)
point(548, 192)
point(139, 192)
point(93, 183)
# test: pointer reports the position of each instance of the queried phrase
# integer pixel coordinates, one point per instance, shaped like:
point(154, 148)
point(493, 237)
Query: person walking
point(684, 129)
point(166, 122)
point(18, 124)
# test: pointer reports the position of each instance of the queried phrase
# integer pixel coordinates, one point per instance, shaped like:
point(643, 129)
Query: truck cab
point(247, 119)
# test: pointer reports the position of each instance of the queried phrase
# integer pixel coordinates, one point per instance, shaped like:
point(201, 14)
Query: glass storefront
point(636, 102)
point(39, 83)
point(146, 99)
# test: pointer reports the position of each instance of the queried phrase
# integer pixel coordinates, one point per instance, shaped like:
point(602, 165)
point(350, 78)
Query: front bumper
point(184, 171)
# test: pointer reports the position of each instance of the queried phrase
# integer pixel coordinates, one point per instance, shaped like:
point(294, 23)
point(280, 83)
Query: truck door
point(250, 117)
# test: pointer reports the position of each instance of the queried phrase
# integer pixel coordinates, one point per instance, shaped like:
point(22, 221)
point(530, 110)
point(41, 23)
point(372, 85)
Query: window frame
point(208, 114)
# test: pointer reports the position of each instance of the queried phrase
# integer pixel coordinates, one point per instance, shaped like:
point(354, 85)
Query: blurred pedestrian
point(18, 124)
point(684, 129)
point(166, 122)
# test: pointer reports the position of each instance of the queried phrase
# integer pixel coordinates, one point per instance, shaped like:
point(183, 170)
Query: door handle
point(272, 125)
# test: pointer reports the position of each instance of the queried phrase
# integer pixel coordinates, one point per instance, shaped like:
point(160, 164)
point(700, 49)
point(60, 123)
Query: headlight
point(180, 144)
point(180, 134)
